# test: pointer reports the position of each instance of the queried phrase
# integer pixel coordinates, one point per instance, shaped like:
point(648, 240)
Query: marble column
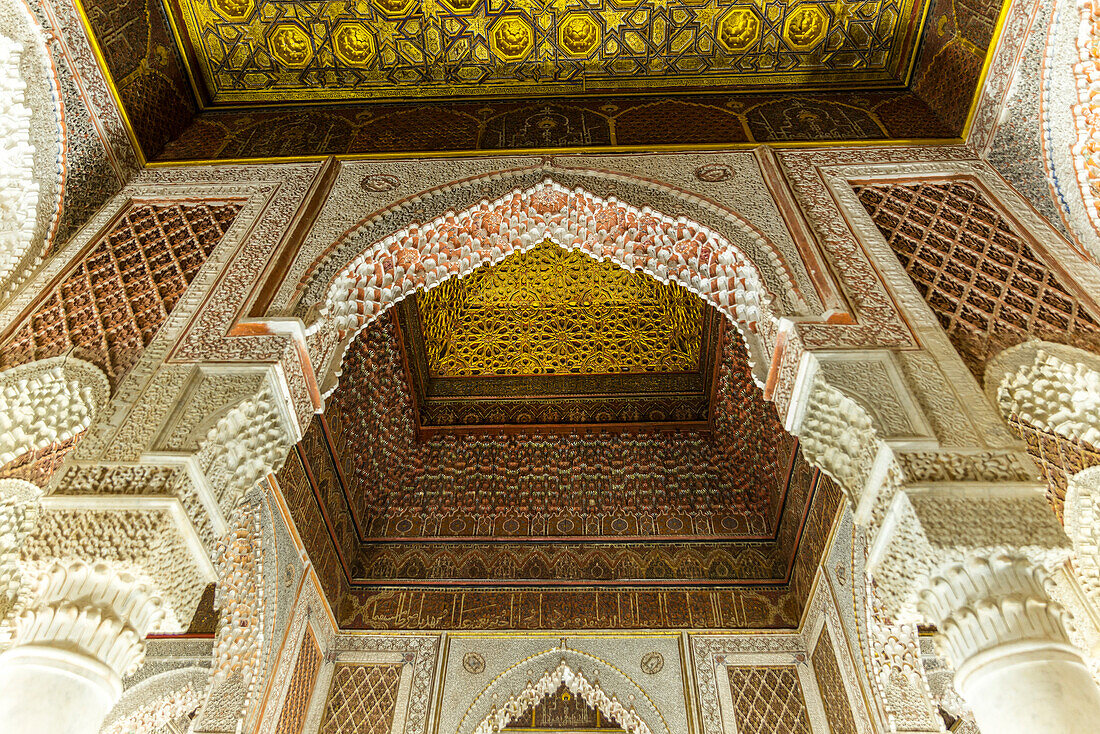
point(83, 631)
point(1005, 637)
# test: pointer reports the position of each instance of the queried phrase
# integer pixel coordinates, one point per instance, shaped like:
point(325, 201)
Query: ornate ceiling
point(512, 520)
point(257, 51)
point(553, 338)
point(265, 79)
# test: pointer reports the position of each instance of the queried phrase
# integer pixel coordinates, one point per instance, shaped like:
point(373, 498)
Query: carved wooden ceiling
point(264, 52)
point(554, 338)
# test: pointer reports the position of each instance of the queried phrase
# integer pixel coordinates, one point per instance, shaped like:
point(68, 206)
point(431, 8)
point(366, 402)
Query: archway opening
point(547, 423)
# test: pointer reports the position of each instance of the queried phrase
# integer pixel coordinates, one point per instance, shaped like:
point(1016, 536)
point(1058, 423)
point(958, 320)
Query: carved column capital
point(92, 610)
point(988, 601)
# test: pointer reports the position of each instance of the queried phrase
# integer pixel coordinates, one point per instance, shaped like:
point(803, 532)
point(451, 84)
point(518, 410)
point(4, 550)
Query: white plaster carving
point(94, 610)
point(1056, 396)
point(238, 643)
point(31, 145)
point(622, 713)
point(147, 538)
point(46, 402)
point(986, 601)
point(158, 701)
point(249, 441)
point(18, 512)
point(1082, 524)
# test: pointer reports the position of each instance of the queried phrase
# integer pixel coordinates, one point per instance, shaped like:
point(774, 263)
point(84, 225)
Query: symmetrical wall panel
point(1057, 457)
point(110, 305)
point(768, 700)
point(985, 283)
point(296, 703)
point(362, 699)
point(830, 683)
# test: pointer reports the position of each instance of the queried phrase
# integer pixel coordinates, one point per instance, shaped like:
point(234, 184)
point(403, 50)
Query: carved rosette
point(94, 610)
point(985, 602)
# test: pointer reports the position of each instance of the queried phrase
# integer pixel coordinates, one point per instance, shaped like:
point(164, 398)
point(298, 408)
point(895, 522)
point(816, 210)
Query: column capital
point(985, 602)
point(94, 610)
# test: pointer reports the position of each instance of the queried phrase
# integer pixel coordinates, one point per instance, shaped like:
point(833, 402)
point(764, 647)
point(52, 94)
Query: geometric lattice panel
point(293, 715)
point(768, 700)
point(555, 311)
point(112, 302)
point(831, 684)
point(362, 699)
point(986, 285)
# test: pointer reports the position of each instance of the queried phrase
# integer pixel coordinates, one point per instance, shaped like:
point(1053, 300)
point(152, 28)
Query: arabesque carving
point(240, 637)
point(18, 512)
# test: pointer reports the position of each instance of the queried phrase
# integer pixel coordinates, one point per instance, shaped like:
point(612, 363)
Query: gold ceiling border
point(181, 12)
point(144, 162)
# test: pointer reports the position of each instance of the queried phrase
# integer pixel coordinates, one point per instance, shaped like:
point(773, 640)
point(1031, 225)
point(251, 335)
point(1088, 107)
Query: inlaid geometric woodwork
point(111, 303)
point(554, 311)
point(362, 699)
point(1058, 458)
point(768, 699)
point(983, 281)
point(834, 695)
point(296, 702)
point(254, 52)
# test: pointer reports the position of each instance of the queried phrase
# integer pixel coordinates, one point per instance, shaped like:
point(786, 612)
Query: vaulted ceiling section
point(533, 516)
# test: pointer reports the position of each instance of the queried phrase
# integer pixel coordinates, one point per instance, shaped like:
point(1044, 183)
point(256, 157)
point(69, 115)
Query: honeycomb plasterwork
point(31, 154)
point(1053, 387)
point(18, 514)
point(342, 235)
point(239, 640)
point(622, 713)
point(50, 401)
point(600, 683)
point(158, 701)
point(144, 543)
point(452, 245)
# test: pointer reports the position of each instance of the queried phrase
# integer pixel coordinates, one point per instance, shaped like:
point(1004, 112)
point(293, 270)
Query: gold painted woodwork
point(266, 51)
point(554, 311)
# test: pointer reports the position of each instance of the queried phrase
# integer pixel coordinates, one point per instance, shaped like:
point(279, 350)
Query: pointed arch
point(599, 683)
point(422, 255)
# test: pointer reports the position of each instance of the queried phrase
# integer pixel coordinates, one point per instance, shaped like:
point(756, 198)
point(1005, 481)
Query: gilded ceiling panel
point(555, 311)
point(264, 51)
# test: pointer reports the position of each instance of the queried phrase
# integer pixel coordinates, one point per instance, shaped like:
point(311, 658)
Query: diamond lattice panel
point(362, 699)
point(831, 684)
point(111, 304)
point(985, 284)
point(1057, 457)
point(768, 700)
point(301, 686)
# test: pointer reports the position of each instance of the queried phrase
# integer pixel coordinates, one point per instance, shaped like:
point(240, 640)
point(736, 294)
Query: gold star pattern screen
point(553, 311)
point(267, 51)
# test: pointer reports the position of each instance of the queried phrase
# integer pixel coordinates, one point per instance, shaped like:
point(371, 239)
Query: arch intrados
point(745, 329)
point(571, 664)
point(774, 261)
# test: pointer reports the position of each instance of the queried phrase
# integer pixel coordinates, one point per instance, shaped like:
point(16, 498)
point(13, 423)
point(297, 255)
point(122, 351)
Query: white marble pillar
point(83, 631)
point(1014, 663)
